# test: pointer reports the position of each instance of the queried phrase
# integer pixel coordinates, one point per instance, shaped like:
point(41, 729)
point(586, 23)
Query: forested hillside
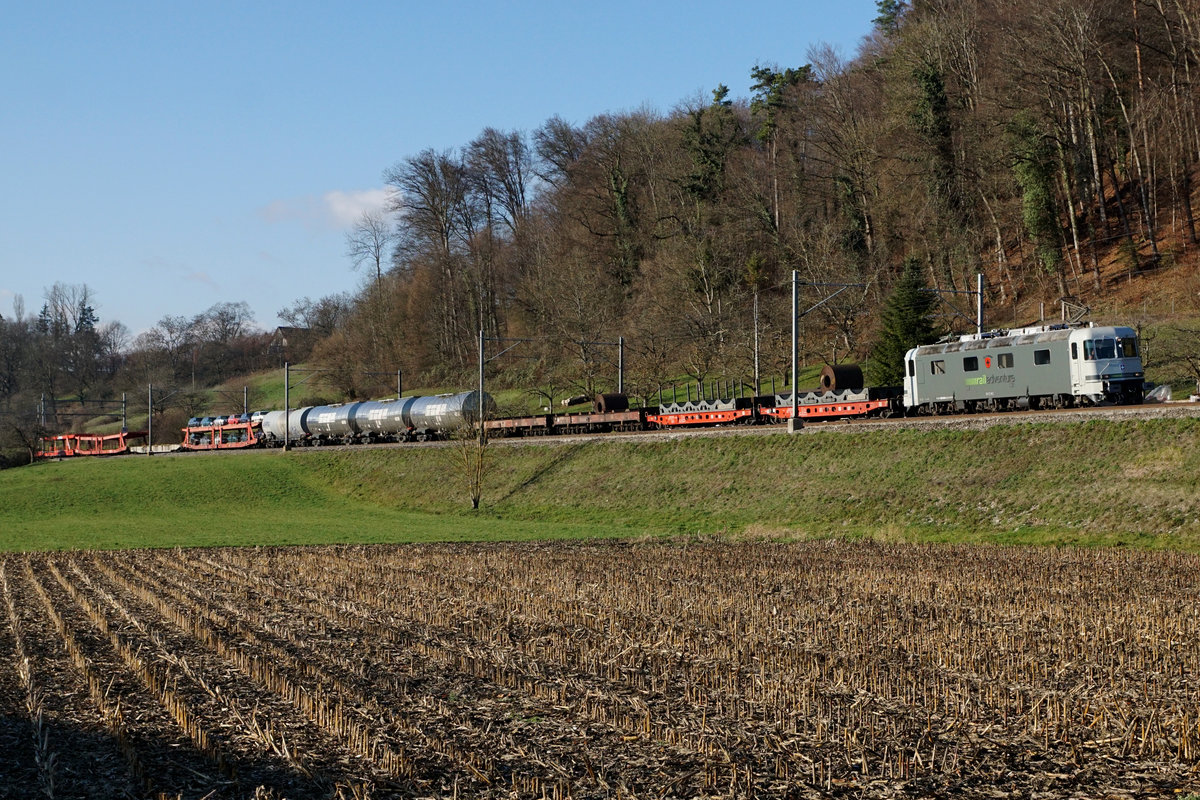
point(1049, 144)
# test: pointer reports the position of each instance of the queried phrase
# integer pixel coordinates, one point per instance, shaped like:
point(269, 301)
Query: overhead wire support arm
point(150, 414)
point(288, 369)
point(399, 378)
point(483, 359)
point(513, 346)
point(977, 293)
point(828, 298)
point(620, 345)
point(794, 424)
point(841, 287)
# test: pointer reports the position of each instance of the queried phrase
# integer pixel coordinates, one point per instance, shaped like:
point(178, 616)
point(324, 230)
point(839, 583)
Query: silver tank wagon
point(332, 422)
point(444, 413)
point(273, 424)
point(382, 419)
point(405, 419)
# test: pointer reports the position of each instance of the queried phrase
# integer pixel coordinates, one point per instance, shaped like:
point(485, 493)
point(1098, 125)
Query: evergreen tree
point(890, 14)
point(1034, 168)
point(907, 323)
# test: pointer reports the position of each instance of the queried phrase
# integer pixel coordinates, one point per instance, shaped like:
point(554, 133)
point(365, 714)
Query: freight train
point(1044, 366)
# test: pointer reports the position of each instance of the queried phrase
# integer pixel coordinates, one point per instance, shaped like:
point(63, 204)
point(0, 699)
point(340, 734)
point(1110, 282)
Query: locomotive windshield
point(1099, 349)
point(1095, 349)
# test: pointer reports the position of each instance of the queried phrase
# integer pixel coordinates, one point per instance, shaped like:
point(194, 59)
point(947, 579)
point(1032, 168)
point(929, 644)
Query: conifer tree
point(907, 323)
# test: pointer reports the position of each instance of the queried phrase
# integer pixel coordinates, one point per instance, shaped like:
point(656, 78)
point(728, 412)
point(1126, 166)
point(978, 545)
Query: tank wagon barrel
point(381, 418)
point(402, 419)
point(447, 412)
point(290, 424)
point(332, 421)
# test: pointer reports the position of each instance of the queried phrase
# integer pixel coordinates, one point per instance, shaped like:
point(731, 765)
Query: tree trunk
point(1125, 226)
point(1186, 196)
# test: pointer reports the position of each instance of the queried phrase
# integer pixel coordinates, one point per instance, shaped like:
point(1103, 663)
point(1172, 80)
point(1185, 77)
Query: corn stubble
point(648, 670)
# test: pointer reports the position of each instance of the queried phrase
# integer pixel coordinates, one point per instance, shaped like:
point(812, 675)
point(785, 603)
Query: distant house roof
point(289, 336)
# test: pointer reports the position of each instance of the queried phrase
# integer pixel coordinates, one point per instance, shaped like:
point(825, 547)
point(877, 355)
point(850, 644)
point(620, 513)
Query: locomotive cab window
point(971, 364)
point(1096, 349)
point(1041, 357)
point(937, 367)
point(912, 368)
point(1127, 348)
point(1004, 360)
point(1074, 351)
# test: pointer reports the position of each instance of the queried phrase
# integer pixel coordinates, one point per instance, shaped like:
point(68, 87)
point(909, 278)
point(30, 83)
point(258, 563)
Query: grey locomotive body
point(1050, 366)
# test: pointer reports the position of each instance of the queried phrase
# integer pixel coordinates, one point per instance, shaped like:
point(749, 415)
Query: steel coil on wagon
point(606, 403)
point(840, 377)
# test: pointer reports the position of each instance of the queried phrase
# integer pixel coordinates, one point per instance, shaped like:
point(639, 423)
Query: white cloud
point(347, 208)
point(202, 278)
point(336, 209)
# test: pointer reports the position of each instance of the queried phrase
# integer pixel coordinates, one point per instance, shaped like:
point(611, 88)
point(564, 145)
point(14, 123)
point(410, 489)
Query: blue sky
point(176, 155)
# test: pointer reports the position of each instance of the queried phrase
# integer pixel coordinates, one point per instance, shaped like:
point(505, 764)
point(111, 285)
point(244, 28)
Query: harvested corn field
point(634, 670)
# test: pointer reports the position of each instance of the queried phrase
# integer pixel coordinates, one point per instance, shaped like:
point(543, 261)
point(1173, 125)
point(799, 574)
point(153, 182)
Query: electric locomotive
point(1043, 366)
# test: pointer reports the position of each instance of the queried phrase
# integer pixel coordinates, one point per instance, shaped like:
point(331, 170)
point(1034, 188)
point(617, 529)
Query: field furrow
point(596, 671)
point(259, 736)
point(459, 698)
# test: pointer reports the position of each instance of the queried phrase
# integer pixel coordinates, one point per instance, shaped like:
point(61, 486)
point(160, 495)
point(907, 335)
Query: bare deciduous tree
point(369, 242)
point(469, 458)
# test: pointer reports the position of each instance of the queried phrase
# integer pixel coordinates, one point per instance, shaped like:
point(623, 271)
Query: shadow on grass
point(562, 455)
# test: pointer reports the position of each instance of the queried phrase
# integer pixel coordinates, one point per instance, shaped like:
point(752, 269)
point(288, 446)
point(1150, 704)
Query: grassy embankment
point(1099, 483)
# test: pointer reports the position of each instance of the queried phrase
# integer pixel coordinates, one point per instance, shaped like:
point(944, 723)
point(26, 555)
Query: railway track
point(950, 422)
point(1174, 410)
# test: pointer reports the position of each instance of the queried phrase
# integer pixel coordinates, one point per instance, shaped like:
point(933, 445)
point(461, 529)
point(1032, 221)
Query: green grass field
point(255, 498)
point(1099, 483)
